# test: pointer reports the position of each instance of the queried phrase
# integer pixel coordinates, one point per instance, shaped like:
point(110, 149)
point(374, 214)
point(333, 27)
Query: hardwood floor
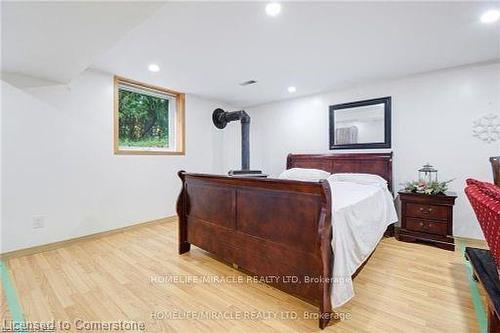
point(403, 288)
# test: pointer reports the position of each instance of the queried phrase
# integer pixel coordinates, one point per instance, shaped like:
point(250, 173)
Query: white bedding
point(360, 216)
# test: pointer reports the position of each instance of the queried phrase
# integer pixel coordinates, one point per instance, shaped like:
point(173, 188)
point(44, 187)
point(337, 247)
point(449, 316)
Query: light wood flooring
point(403, 288)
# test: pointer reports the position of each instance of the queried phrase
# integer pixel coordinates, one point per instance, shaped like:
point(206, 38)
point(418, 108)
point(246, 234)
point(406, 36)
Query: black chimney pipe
point(221, 118)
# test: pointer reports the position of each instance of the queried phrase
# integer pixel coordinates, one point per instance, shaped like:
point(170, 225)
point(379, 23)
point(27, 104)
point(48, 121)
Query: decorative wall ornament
point(487, 128)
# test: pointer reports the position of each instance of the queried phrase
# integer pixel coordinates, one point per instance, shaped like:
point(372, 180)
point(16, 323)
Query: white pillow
point(308, 175)
point(359, 178)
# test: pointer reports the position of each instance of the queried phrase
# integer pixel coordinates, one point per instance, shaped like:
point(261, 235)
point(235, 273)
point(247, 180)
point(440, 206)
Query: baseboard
point(56, 245)
point(471, 242)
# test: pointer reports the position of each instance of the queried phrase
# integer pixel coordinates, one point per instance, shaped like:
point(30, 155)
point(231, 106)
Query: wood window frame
point(179, 118)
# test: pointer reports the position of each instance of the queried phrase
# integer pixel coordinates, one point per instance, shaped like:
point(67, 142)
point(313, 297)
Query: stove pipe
point(221, 118)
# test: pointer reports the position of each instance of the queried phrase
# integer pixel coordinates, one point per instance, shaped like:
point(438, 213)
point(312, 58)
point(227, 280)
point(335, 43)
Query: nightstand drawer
point(431, 227)
point(427, 211)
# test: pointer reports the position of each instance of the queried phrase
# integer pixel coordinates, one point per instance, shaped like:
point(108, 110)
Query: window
point(147, 119)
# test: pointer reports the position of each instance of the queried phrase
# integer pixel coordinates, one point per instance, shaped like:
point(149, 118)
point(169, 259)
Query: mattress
point(360, 216)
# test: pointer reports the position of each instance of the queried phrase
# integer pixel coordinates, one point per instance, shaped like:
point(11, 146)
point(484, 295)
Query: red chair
point(485, 200)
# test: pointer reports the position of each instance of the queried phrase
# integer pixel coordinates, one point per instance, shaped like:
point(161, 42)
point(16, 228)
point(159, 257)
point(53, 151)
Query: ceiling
point(208, 48)
point(53, 42)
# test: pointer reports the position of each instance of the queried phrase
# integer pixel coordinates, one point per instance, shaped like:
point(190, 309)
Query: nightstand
point(427, 218)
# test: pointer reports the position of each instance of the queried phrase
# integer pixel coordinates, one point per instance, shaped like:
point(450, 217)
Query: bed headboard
point(374, 163)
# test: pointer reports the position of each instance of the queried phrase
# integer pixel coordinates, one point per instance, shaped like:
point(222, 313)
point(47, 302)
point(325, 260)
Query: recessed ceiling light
point(490, 16)
point(154, 68)
point(291, 90)
point(273, 9)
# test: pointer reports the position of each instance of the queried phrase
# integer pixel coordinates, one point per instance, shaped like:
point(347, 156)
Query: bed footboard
point(277, 229)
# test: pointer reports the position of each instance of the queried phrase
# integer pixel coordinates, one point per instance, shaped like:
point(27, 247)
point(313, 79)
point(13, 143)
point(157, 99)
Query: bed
point(274, 227)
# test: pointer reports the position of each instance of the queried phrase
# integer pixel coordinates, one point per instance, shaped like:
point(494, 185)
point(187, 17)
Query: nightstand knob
point(421, 224)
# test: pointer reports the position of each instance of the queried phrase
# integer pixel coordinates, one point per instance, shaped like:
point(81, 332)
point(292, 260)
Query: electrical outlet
point(38, 222)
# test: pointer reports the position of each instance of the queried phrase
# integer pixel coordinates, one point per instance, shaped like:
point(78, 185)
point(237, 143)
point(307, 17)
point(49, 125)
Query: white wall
point(432, 122)
point(57, 158)
point(58, 162)
point(1, 168)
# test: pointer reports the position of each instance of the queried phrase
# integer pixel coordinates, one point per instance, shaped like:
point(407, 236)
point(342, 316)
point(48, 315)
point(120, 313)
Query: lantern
point(427, 174)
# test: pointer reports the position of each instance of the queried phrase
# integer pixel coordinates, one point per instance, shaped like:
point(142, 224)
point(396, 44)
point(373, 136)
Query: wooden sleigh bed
point(272, 227)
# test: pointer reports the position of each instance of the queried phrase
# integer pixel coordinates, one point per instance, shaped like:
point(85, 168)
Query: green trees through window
point(147, 119)
point(143, 119)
